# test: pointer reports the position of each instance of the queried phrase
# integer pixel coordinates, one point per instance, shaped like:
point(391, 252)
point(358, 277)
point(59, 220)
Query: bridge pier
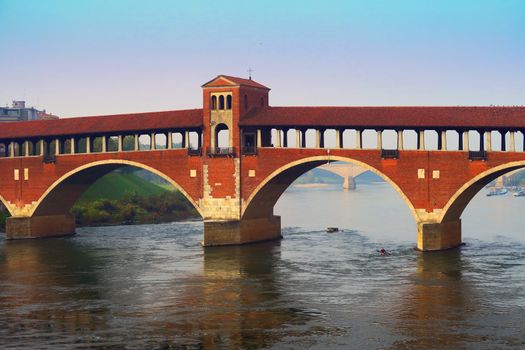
point(220, 233)
point(349, 183)
point(40, 226)
point(432, 236)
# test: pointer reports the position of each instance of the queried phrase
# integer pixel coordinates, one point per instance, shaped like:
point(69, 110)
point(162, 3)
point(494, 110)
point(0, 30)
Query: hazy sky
point(87, 57)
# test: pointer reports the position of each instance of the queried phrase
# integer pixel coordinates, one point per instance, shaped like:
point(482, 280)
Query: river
point(153, 286)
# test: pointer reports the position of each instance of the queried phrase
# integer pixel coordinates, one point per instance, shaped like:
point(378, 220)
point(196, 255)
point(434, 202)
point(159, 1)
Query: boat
point(332, 229)
point(497, 192)
point(519, 193)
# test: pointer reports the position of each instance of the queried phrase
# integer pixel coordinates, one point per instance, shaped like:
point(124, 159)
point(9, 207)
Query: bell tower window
point(229, 102)
point(221, 102)
point(213, 102)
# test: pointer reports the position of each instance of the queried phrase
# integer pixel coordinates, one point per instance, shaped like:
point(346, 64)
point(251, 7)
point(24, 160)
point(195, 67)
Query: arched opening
point(291, 138)
point(309, 137)
point(221, 102)
point(145, 142)
point(496, 138)
point(222, 136)
point(389, 139)
point(263, 199)
point(410, 140)
point(177, 140)
point(213, 102)
point(118, 190)
point(161, 141)
point(128, 143)
point(459, 201)
point(452, 138)
point(330, 138)
point(475, 141)
point(229, 102)
point(349, 138)
point(431, 140)
point(369, 139)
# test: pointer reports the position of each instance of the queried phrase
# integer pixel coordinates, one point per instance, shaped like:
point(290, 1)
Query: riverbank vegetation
point(126, 197)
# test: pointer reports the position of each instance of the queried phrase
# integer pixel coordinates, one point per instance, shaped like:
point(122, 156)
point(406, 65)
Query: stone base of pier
point(220, 233)
point(40, 226)
point(438, 236)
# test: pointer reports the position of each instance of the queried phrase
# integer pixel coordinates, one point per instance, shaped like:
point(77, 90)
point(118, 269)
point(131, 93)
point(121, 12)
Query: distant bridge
point(347, 171)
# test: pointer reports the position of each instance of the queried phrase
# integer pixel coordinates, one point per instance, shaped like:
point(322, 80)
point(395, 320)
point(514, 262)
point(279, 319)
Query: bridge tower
point(226, 101)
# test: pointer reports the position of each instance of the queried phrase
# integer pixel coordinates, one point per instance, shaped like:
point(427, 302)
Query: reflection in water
point(225, 307)
point(40, 280)
point(436, 301)
point(79, 290)
point(153, 286)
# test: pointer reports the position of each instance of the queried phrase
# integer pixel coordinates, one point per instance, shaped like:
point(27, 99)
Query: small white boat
point(519, 193)
point(497, 192)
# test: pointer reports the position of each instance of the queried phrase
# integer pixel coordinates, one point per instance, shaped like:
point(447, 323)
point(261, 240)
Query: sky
point(91, 57)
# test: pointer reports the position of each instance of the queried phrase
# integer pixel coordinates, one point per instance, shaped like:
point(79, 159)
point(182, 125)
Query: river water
point(153, 286)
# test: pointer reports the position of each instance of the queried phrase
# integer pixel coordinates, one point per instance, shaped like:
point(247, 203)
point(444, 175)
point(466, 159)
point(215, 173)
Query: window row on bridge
point(461, 140)
point(191, 140)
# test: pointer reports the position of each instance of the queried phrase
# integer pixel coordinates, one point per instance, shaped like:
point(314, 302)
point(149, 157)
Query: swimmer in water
point(382, 252)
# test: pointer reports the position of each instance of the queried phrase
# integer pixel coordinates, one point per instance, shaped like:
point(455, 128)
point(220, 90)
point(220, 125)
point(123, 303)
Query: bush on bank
point(132, 209)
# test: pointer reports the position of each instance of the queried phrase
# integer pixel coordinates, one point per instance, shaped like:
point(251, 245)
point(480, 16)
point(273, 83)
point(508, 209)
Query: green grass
point(115, 186)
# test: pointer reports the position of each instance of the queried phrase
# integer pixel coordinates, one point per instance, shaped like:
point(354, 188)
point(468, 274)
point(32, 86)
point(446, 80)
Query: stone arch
point(273, 186)
point(65, 191)
point(220, 143)
point(459, 201)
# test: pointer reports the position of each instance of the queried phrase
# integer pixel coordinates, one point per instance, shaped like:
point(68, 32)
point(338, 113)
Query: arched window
point(221, 102)
point(246, 102)
point(262, 102)
point(214, 102)
point(229, 102)
point(222, 136)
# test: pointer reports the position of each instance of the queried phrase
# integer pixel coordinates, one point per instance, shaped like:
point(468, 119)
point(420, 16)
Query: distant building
point(19, 112)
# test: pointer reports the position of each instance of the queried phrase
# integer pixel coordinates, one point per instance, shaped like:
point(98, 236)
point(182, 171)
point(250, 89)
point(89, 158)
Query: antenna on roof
point(250, 71)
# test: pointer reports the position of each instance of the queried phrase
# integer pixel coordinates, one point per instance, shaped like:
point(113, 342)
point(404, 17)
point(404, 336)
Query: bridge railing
point(477, 155)
point(389, 154)
point(50, 158)
point(249, 150)
point(195, 151)
point(220, 151)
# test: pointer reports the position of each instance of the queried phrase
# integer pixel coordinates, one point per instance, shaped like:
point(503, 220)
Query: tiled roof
point(431, 117)
point(222, 80)
point(107, 124)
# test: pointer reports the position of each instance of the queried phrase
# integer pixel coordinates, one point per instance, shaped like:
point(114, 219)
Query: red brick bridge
point(234, 158)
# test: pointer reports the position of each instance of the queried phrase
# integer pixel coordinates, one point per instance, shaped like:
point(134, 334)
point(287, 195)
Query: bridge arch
point(6, 205)
point(65, 191)
point(267, 193)
point(459, 201)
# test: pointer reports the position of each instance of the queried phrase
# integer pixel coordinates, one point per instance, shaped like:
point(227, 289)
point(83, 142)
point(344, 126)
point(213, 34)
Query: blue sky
point(88, 57)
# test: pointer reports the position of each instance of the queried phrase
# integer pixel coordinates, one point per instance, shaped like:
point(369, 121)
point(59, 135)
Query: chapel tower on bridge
point(226, 100)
